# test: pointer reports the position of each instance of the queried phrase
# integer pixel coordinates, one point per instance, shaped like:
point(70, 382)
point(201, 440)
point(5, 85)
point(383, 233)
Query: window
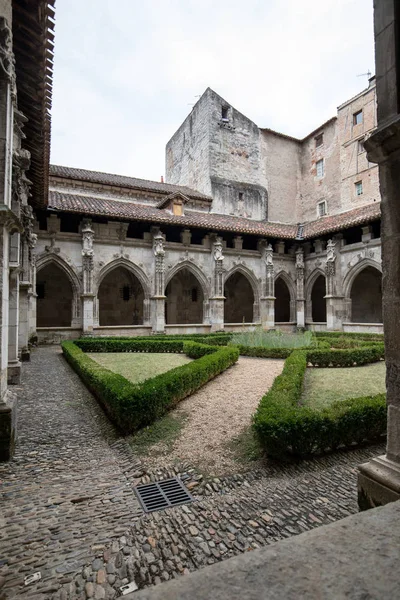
point(126, 293)
point(357, 117)
point(361, 146)
point(321, 208)
point(240, 196)
point(224, 113)
point(320, 168)
point(194, 294)
point(319, 140)
point(40, 291)
point(359, 188)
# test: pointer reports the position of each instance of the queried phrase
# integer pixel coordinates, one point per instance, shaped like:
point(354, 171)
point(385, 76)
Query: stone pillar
point(267, 300)
point(26, 280)
point(158, 299)
point(334, 302)
point(87, 278)
point(217, 299)
point(379, 479)
point(300, 300)
point(14, 365)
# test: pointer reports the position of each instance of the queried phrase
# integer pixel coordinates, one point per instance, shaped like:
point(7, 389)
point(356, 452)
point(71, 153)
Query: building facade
point(253, 228)
point(25, 97)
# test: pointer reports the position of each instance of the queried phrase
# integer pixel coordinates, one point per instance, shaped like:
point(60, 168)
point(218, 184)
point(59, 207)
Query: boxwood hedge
point(132, 406)
point(284, 427)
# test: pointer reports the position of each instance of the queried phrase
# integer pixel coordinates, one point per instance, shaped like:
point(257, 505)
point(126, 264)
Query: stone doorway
point(366, 296)
point(239, 303)
point(54, 297)
point(185, 299)
point(318, 302)
point(121, 299)
point(282, 301)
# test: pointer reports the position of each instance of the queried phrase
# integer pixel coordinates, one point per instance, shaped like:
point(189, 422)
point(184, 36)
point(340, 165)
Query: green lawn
point(324, 386)
point(139, 366)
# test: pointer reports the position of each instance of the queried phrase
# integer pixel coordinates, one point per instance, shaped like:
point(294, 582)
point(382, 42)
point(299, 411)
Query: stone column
point(87, 278)
point(28, 242)
point(300, 300)
point(14, 365)
point(379, 479)
point(267, 300)
point(334, 302)
point(217, 299)
point(158, 299)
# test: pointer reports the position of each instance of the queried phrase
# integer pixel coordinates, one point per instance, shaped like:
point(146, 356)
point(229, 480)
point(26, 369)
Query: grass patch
point(246, 447)
point(137, 367)
point(272, 339)
point(162, 434)
point(322, 387)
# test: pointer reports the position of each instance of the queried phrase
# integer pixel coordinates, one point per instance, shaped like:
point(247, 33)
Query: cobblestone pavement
point(68, 510)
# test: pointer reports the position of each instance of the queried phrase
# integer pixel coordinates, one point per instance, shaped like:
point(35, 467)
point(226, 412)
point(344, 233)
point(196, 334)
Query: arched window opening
point(121, 299)
point(184, 304)
point(366, 297)
point(239, 299)
point(318, 301)
point(282, 301)
point(54, 297)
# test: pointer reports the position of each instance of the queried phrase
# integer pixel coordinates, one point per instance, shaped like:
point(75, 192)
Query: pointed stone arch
point(130, 266)
point(187, 295)
point(285, 298)
point(195, 270)
point(362, 287)
point(355, 270)
point(57, 304)
point(242, 296)
point(123, 294)
point(315, 298)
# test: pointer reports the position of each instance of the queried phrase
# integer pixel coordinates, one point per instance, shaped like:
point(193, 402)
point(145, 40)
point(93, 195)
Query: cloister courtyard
point(69, 510)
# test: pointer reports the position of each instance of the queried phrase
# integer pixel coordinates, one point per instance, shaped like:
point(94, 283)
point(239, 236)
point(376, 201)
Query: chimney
point(162, 178)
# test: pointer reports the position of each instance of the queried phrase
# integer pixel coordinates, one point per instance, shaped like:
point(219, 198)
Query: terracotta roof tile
point(123, 181)
point(351, 218)
point(137, 212)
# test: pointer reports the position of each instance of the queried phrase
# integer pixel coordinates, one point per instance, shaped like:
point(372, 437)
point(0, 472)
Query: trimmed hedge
point(285, 427)
point(132, 406)
point(378, 337)
point(136, 344)
point(346, 358)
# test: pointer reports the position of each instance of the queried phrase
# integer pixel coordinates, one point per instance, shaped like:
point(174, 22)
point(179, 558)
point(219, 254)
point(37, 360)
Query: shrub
point(132, 406)
point(284, 427)
point(346, 358)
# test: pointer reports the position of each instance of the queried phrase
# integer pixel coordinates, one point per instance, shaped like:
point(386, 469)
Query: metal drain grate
point(162, 494)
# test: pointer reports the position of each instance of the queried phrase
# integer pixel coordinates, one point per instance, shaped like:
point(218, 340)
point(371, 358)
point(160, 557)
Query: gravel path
point(217, 413)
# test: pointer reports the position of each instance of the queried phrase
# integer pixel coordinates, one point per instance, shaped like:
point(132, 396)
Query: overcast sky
point(127, 72)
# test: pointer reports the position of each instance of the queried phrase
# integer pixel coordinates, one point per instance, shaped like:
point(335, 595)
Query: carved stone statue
point(269, 256)
point(87, 238)
point(330, 251)
point(299, 258)
point(158, 247)
point(218, 250)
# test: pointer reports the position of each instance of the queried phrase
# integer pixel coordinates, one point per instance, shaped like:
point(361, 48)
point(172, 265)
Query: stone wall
point(187, 159)
point(281, 164)
point(314, 189)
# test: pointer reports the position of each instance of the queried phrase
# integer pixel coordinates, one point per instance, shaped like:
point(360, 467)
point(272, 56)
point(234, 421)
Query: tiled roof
point(33, 37)
point(123, 181)
point(130, 211)
point(136, 212)
point(351, 218)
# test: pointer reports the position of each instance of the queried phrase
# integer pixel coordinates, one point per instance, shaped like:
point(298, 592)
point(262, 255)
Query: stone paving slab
point(68, 509)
